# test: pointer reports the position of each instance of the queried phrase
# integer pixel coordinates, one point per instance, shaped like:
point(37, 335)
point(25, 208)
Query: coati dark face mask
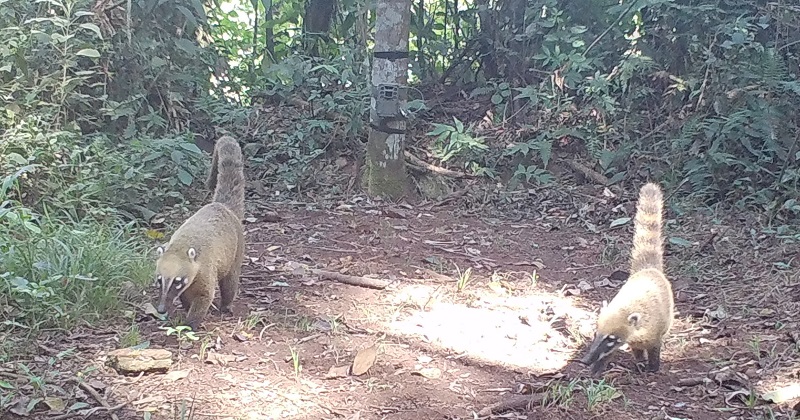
point(600, 351)
point(170, 284)
point(170, 288)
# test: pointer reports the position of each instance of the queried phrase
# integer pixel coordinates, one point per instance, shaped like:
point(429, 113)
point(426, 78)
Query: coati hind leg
point(229, 283)
point(228, 289)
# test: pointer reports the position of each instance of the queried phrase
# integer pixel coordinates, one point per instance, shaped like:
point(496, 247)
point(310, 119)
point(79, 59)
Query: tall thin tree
point(386, 170)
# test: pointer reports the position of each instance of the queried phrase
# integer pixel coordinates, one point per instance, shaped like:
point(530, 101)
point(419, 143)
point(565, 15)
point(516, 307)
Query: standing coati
point(641, 312)
point(207, 249)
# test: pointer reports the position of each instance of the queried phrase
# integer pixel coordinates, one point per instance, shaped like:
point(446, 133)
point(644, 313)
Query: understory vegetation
point(106, 113)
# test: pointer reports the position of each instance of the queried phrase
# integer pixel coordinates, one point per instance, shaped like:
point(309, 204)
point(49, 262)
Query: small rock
point(142, 360)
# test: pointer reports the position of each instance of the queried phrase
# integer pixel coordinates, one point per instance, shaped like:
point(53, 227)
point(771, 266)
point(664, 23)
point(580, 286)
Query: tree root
point(587, 172)
point(435, 169)
point(351, 280)
point(516, 402)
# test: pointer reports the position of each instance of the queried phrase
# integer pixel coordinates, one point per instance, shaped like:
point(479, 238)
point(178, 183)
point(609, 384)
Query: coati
point(641, 312)
point(208, 248)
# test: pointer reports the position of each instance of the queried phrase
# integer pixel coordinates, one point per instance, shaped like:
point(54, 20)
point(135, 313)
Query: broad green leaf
point(89, 52)
point(191, 147)
point(185, 177)
point(619, 222)
point(157, 62)
point(177, 156)
point(92, 27)
point(77, 406)
point(17, 158)
point(679, 241)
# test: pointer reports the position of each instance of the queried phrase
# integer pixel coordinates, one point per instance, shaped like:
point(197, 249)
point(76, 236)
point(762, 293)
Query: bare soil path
point(525, 312)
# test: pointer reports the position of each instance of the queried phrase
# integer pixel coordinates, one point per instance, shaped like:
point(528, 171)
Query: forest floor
point(541, 263)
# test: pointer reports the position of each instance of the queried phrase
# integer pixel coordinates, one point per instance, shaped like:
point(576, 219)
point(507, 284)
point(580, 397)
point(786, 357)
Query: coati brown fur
point(208, 248)
point(641, 313)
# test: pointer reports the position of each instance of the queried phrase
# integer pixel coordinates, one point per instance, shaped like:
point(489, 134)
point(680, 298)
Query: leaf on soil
point(55, 404)
point(6, 385)
point(153, 234)
point(394, 213)
point(364, 360)
point(77, 406)
point(242, 336)
point(496, 287)
point(585, 286)
point(149, 309)
point(220, 358)
point(679, 241)
point(718, 314)
point(783, 394)
point(20, 407)
point(619, 222)
point(429, 372)
point(176, 374)
point(338, 372)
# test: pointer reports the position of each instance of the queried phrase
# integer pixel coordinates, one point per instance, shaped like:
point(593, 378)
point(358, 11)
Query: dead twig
point(448, 198)
point(88, 413)
point(436, 169)
point(96, 395)
point(516, 402)
point(351, 280)
point(588, 172)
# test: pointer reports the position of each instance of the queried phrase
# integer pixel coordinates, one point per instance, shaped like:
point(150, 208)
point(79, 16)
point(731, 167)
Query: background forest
point(107, 107)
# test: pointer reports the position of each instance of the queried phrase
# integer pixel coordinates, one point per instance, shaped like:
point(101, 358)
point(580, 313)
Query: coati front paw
point(194, 325)
point(226, 310)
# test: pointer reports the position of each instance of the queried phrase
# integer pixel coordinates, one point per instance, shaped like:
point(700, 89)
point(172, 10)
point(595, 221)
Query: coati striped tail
point(648, 245)
point(227, 175)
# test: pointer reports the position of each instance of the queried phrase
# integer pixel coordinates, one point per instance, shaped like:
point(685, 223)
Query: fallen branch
point(516, 402)
point(351, 280)
point(98, 397)
point(436, 169)
point(87, 414)
point(588, 172)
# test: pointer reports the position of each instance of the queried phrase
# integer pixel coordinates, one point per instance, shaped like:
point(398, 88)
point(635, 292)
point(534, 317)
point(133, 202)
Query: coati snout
point(600, 351)
point(174, 276)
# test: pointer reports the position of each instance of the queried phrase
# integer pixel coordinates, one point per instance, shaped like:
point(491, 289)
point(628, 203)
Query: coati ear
point(633, 319)
point(160, 251)
point(192, 253)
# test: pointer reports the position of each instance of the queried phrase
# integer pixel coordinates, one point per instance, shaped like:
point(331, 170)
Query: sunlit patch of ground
point(516, 332)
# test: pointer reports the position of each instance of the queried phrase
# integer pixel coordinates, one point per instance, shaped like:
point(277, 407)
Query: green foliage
point(59, 274)
point(90, 176)
point(457, 140)
point(70, 174)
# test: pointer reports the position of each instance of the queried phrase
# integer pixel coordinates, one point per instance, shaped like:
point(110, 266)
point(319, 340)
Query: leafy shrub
point(91, 176)
point(58, 274)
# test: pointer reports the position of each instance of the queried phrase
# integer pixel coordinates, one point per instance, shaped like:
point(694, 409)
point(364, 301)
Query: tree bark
point(386, 170)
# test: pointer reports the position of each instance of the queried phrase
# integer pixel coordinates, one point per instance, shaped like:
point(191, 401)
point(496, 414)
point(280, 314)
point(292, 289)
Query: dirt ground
point(540, 264)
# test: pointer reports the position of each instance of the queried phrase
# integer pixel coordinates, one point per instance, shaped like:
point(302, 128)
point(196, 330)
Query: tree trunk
point(386, 170)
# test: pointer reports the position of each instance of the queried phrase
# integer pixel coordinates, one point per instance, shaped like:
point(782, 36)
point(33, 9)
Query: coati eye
point(178, 282)
point(157, 283)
